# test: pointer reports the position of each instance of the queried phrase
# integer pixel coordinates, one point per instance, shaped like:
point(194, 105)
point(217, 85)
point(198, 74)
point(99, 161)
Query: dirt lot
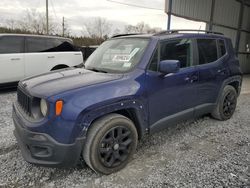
point(196, 153)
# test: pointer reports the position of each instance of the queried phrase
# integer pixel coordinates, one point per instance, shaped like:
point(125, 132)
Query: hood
point(56, 82)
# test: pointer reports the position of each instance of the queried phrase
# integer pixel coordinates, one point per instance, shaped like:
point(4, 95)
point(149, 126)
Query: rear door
point(173, 96)
point(213, 69)
point(35, 56)
point(11, 58)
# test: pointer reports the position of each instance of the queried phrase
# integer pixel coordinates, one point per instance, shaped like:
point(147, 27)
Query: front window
point(179, 49)
point(11, 44)
point(117, 55)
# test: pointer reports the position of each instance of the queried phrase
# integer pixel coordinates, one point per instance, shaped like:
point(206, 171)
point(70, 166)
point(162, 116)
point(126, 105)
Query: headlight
point(43, 107)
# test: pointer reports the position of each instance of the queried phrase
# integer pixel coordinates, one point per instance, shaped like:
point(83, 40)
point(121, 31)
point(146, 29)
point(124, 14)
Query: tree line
point(95, 31)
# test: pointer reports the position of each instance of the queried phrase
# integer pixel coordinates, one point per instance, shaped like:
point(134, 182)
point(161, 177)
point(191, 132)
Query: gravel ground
point(196, 153)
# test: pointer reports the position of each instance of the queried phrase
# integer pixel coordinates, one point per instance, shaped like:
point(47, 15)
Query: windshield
point(117, 55)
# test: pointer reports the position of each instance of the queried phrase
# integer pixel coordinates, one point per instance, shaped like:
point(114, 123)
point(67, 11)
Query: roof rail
point(187, 30)
point(122, 35)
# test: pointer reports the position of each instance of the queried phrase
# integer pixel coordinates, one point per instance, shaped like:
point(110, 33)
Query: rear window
point(57, 45)
point(35, 44)
point(11, 44)
point(207, 49)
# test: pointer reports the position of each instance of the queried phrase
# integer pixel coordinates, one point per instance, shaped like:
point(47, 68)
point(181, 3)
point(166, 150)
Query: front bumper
point(42, 149)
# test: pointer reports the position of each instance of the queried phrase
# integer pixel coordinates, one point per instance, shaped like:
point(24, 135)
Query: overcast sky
point(76, 12)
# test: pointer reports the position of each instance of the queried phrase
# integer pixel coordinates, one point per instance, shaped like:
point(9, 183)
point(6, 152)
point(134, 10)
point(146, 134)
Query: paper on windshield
point(125, 58)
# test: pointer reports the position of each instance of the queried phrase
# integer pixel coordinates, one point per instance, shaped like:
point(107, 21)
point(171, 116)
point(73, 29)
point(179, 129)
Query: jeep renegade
point(130, 86)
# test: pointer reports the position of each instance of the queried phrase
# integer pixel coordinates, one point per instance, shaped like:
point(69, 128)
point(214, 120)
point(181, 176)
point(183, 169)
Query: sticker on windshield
point(121, 58)
point(134, 52)
point(127, 65)
point(125, 58)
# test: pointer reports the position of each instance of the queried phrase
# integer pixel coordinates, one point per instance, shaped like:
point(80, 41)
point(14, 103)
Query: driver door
point(172, 97)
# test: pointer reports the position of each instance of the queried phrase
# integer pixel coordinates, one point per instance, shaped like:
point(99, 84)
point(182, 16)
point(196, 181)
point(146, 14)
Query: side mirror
point(169, 66)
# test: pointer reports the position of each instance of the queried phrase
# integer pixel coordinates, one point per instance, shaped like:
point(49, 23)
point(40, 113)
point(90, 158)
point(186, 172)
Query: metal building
point(231, 17)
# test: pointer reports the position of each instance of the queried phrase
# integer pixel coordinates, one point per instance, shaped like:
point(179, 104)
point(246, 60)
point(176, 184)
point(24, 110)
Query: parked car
point(131, 85)
point(87, 51)
point(28, 55)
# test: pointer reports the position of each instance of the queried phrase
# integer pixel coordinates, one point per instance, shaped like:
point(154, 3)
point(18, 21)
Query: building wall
point(226, 12)
point(246, 19)
point(197, 9)
point(224, 18)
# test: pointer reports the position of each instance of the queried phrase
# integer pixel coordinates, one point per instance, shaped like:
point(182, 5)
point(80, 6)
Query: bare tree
point(65, 28)
point(116, 31)
point(140, 27)
point(11, 23)
point(35, 22)
point(98, 28)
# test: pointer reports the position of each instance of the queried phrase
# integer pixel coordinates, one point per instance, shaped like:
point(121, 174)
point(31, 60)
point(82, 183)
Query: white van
point(27, 55)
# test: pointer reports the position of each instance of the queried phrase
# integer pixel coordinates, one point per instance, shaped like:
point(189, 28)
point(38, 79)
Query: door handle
point(51, 57)
point(192, 79)
point(222, 71)
point(15, 59)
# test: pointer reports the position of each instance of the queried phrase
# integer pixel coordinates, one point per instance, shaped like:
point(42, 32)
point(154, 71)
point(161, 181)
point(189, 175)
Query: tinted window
point(48, 45)
point(11, 44)
point(36, 44)
point(154, 61)
point(56, 45)
point(177, 50)
point(207, 50)
point(221, 46)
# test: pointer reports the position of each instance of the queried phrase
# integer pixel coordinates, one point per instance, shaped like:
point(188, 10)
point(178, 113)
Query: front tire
point(110, 144)
point(226, 104)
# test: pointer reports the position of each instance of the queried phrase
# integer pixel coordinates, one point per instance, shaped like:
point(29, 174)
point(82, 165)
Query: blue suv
point(130, 86)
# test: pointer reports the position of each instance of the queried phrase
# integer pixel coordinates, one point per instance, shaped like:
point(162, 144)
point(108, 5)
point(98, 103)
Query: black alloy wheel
point(229, 104)
point(114, 147)
point(110, 143)
point(226, 104)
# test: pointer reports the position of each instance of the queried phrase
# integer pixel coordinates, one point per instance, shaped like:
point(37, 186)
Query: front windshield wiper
point(98, 70)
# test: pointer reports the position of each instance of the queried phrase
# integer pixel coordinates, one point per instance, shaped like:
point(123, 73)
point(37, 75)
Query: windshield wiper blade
point(98, 70)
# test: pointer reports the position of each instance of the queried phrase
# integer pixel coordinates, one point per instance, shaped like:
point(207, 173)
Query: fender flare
point(90, 114)
point(226, 82)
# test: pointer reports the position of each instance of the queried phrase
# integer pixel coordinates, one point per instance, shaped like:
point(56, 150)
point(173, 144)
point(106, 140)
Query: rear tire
point(110, 144)
point(226, 104)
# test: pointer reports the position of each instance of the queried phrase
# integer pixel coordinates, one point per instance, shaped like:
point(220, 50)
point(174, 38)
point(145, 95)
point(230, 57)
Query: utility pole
point(63, 27)
point(168, 10)
point(47, 17)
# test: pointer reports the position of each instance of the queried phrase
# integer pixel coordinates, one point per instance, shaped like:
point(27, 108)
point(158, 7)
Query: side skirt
point(181, 116)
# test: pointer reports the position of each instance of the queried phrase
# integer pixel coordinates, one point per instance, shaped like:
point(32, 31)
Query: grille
point(24, 101)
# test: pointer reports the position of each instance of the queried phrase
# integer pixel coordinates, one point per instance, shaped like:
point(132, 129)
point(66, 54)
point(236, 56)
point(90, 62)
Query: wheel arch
point(236, 84)
point(131, 114)
point(234, 81)
point(131, 109)
point(59, 66)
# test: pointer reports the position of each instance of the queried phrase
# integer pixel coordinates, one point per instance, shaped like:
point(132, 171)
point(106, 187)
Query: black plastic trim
point(42, 149)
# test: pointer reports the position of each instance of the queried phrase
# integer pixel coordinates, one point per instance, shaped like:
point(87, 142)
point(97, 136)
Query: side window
point(34, 44)
point(52, 44)
point(56, 45)
point(11, 44)
point(154, 61)
point(221, 47)
point(180, 49)
point(207, 49)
